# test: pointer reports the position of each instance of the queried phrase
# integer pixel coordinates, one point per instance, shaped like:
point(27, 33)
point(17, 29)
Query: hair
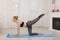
point(15, 17)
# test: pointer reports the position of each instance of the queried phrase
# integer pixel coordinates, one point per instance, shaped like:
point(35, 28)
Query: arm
point(18, 28)
point(24, 24)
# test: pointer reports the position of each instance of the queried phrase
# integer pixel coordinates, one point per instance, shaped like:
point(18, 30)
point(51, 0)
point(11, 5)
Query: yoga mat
point(27, 36)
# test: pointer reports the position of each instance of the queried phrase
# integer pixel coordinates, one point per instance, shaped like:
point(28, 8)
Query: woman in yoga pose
point(27, 24)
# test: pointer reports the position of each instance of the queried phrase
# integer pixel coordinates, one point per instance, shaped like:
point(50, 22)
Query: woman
point(27, 24)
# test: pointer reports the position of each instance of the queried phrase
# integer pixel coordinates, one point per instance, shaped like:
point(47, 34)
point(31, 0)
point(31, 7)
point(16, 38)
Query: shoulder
point(19, 22)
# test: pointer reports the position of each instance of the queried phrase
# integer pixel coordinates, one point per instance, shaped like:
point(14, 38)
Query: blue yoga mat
point(27, 36)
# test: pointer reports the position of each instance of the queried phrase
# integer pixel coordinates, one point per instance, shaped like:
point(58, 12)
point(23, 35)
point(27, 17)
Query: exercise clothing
point(21, 25)
point(29, 24)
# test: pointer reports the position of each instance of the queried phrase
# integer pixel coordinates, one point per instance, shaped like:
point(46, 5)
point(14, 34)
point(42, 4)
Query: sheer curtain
point(30, 9)
point(25, 9)
point(13, 11)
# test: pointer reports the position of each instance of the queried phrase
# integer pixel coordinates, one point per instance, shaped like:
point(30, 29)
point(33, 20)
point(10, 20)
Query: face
point(14, 20)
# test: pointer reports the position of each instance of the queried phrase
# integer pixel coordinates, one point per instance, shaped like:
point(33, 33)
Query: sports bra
point(21, 25)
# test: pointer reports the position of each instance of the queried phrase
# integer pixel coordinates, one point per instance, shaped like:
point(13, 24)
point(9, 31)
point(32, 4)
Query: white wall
point(25, 9)
point(30, 9)
point(13, 11)
point(58, 4)
point(3, 13)
point(46, 9)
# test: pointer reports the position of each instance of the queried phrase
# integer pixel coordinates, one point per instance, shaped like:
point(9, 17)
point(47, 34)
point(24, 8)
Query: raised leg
point(35, 20)
point(30, 23)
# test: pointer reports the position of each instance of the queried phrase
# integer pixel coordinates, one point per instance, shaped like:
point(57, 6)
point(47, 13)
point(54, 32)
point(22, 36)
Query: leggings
point(30, 23)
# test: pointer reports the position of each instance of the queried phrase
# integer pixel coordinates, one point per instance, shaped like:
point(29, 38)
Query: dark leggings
point(30, 23)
